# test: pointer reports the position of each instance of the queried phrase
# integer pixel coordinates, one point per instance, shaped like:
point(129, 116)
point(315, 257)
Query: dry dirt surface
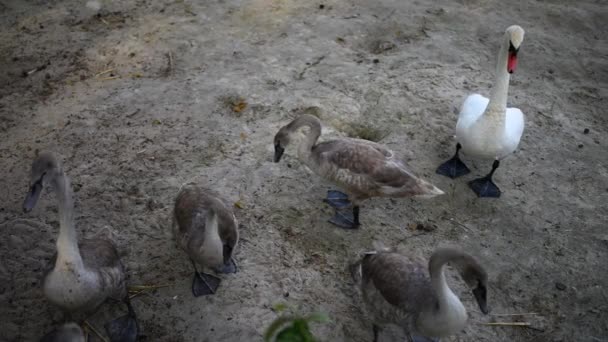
point(140, 97)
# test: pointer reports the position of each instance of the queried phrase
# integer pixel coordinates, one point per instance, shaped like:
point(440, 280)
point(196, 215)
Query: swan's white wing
point(472, 108)
point(514, 127)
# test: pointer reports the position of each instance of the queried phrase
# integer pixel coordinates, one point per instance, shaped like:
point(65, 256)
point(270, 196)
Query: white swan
point(486, 128)
point(363, 168)
point(82, 275)
point(401, 290)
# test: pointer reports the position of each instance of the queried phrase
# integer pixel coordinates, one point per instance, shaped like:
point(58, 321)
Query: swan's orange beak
point(512, 61)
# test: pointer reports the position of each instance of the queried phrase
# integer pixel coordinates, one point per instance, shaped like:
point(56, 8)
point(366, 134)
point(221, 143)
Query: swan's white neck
point(211, 226)
point(450, 315)
point(212, 244)
point(445, 297)
point(68, 254)
point(498, 96)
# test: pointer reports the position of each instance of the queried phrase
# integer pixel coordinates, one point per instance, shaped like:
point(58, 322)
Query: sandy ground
point(393, 71)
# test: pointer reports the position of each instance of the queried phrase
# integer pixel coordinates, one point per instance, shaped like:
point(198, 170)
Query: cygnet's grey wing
point(100, 255)
point(404, 283)
point(189, 213)
point(362, 165)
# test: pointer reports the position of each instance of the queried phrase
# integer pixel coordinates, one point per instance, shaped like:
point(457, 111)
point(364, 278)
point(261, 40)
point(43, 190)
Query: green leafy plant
point(293, 327)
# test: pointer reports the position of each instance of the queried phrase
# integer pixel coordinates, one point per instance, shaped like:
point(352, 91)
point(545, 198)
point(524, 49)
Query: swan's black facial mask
point(278, 152)
point(512, 58)
point(480, 293)
point(33, 195)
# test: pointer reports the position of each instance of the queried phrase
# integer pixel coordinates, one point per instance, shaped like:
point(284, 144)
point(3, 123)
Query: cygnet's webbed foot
point(337, 199)
point(123, 329)
point(484, 187)
point(414, 338)
point(454, 167)
point(228, 267)
point(346, 219)
point(204, 284)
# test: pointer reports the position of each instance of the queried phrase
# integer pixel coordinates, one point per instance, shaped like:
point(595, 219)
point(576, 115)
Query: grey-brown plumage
point(98, 254)
point(83, 275)
point(401, 290)
point(69, 332)
point(205, 227)
point(364, 169)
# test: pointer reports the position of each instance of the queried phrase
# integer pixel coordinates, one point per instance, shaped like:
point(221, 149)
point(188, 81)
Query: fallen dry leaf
point(239, 106)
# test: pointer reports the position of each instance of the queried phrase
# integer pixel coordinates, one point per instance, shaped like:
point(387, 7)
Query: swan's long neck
point(498, 97)
point(212, 242)
point(211, 226)
point(310, 139)
point(445, 296)
point(450, 311)
point(68, 254)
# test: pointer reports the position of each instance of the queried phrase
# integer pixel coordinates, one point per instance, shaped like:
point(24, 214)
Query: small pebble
point(560, 286)
point(580, 145)
point(321, 6)
point(586, 131)
point(376, 61)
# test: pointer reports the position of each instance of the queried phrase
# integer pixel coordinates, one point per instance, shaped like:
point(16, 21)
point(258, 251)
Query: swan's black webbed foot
point(346, 219)
point(454, 167)
point(204, 284)
point(337, 199)
point(484, 186)
point(123, 329)
point(228, 267)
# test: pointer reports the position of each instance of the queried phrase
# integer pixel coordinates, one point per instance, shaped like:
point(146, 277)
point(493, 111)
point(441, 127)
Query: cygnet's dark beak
point(32, 196)
point(480, 294)
point(278, 152)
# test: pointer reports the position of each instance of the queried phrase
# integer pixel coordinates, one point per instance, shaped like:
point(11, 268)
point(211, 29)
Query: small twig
point(507, 324)
point(516, 314)
point(104, 21)
point(95, 331)
point(104, 72)
point(139, 293)
point(32, 71)
point(460, 224)
point(38, 68)
point(314, 63)
point(170, 63)
point(147, 287)
point(132, 114)
point(109, 78)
